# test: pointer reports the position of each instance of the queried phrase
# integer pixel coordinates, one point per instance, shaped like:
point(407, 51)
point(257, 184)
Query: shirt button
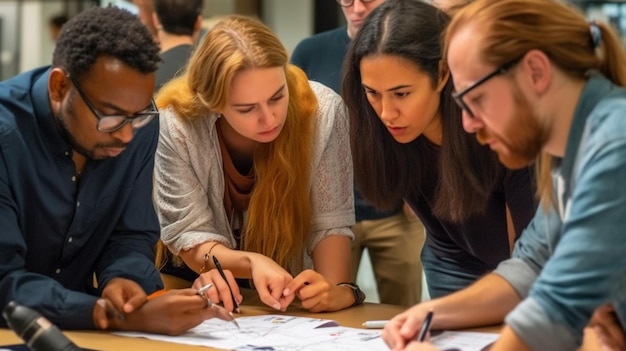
point(77, 203)
point(57, 271)
point(67, 153)
point(73, 178)
point(69, 240)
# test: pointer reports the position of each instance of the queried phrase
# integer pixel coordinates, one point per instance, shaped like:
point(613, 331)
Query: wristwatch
point(359, 295)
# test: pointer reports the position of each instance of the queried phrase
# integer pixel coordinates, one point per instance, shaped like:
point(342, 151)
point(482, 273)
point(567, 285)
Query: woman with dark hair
point(408, 143)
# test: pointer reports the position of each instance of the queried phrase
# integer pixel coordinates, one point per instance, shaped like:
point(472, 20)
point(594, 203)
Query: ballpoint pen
point(221, 311)
point(219, 269)
point(110, 310)
point(425, 326)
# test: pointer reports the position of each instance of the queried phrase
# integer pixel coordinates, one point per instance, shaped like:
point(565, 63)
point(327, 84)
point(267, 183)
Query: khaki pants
point(394, 245)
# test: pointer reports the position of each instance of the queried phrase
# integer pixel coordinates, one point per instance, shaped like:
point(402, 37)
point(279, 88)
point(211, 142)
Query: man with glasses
point(397, 266)
point(537, 81)
point(77, 144)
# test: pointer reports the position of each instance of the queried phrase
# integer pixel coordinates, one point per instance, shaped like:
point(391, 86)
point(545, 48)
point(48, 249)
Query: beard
point(61, 122)
point(64, 129)
point(522, 141)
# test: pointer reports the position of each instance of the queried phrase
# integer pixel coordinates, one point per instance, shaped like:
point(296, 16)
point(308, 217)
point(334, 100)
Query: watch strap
point(359, 295)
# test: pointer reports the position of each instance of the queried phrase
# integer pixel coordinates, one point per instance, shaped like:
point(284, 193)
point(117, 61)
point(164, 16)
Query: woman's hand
point(403, 328)
point(270, 280)
point(219, 291)
point(317, 294)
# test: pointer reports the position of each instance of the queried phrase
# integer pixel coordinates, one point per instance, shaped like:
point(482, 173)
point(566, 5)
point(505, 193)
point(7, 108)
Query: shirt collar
point(596, 88)
point(45, 118)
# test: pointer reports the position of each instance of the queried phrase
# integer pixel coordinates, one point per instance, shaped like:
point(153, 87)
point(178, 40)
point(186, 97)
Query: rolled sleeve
point(533, 324)
point(587, 261)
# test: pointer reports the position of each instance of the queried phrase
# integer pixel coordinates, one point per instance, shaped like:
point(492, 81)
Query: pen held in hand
point(221, 271)
point(222, 313)
point(203, 289)
point(425, 326)
point(110, 310)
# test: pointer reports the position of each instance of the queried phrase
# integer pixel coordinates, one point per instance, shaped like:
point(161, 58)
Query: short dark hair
point(109, 31)
point(178, 16)
point(386, 171)
point(58, 20)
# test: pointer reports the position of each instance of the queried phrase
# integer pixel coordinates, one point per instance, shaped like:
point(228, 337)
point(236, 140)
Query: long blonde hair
point(279, 213)
point(510, 28)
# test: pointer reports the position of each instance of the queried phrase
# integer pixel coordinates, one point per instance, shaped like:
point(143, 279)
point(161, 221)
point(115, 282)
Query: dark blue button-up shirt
point(57, 232)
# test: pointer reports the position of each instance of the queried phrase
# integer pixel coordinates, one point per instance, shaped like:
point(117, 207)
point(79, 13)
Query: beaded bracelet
point(206, 258)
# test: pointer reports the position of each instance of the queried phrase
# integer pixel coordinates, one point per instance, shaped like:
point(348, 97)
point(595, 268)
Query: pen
point(221, 311)
point(219, 269)
point(425, 326)
point(375, 324)
point(110, 310)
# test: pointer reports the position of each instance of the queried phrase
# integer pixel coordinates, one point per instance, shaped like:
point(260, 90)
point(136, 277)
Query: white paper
point(290, 333)
point(275, 333)
point(463, 341)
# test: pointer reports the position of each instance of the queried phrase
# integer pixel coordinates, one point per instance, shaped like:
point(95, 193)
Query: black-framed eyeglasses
point(458, 96)
point(112, 123)
point(348, 3)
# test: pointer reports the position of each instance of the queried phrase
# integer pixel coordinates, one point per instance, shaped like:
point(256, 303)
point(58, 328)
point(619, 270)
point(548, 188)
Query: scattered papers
point(290, 333)
point(275, 333)
point(463, 341)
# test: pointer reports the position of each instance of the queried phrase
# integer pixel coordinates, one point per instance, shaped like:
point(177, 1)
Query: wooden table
point(100, 340)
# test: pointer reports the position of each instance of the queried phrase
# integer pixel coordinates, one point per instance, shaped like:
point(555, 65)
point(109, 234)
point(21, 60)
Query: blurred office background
point(25, 40)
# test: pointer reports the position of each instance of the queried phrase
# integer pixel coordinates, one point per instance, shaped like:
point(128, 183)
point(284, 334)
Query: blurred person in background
point(178, 24)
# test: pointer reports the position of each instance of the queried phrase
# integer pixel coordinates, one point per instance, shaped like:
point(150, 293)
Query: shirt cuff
point(518, 274)
point(531, 323)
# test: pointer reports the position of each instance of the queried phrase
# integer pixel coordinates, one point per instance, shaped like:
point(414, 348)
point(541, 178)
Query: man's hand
point(421, 346)
point(403, 328)
point(172, 313)
point(604, 332)
point(124, 294)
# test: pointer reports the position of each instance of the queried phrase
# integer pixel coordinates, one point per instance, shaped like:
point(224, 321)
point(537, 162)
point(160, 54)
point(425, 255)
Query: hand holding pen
point(221, 271)
point(425, 327)
point(222, 313)
point(224, 289)
point(408, 327)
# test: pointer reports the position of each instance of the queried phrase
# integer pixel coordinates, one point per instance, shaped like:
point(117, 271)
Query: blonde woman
point(253, 166)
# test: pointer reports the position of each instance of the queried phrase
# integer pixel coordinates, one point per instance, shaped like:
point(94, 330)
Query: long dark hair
point(387, 171)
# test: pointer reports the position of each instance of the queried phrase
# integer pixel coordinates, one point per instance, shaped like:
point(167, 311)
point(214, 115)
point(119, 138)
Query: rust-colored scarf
point(237, 187)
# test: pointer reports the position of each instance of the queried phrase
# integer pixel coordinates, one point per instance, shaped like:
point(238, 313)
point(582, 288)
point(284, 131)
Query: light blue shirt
point(572, 259)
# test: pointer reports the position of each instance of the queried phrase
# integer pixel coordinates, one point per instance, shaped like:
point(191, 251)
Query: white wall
point(291, 20)
point(36, 46)
point(9, 39)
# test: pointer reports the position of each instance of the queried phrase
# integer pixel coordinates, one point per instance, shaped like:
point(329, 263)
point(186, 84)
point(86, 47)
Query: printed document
point(290, 333)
